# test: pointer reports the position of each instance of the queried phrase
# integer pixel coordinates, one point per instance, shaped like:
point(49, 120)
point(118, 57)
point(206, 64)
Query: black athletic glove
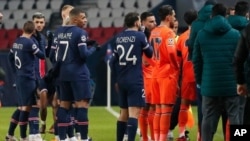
point(93, 43)
point(147, 33)
point(49, 35)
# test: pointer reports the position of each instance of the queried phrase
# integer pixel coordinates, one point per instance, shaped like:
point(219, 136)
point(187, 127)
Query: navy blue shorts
point(49, 87)
point(131, 95)
point(75, 90)
point(26, 89)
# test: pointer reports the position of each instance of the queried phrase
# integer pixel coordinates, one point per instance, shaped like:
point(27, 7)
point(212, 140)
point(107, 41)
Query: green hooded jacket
point(212, 57)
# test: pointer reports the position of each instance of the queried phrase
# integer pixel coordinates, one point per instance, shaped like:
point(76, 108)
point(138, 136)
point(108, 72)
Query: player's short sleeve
point(34, 48)
point(83, 36)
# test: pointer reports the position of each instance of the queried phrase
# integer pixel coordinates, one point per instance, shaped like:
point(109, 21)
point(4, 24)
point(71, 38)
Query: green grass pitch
point(102, 125)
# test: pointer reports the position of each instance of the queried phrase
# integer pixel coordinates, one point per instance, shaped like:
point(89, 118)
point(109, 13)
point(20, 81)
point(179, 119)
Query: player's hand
point(147, 33)
point(93, 43)
point(242, 89)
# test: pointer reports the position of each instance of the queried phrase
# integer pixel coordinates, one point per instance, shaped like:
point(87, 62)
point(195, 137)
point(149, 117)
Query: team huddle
point(67, 82)
point(152, 65)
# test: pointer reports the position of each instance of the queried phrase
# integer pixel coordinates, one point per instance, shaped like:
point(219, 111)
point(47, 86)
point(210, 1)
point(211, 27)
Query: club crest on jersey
point(171, 41)
point(34, 46)
point(83, 38)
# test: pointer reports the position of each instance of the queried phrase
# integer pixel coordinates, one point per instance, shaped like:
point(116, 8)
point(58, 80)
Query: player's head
point(219, 9)
point(29, 27)
point(148, 20)
point(1, 17)
point(65, 13)
point(190, 16)
point(230, 11)
point(175, 26)
point(78, 17)
point(241, 8)
point(167, 14)
point(132, 20)
point(39, 21)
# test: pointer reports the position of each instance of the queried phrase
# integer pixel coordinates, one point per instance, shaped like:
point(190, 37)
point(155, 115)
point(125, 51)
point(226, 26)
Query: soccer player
point(176, 108)
point(147, 113)
point(40, 70)
point(74, 75)
point(165, 71)
point(23, 54)
point(43, 113)
point(188, 84)
point(212, 58)
point(127, 60)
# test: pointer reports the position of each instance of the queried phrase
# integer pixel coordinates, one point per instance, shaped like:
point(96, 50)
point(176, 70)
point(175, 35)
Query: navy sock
point(23, 123)
point(14, 122)
point(63, 122)
point(74, 113)
point(34, 120)
point(121, 129)
point(132, 127)
point(71, 127)
point(82, 122)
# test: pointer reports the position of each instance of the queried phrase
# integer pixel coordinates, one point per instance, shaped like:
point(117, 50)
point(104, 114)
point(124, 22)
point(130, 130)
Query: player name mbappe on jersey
point(64, 35)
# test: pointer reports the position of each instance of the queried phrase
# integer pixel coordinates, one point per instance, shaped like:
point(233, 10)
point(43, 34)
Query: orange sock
point(182, 119)
point(150, 123)
point(165, 122)
point(156, 123)
point(227, 131)
point(143, 124)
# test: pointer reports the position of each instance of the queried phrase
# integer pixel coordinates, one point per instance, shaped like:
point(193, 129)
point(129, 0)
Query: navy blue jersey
point(72, 52)
point(22, 54)
point(40, 42)
point(129, 47)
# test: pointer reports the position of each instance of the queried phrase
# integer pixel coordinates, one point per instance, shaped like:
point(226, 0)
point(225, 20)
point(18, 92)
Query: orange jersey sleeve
point(187, 65)
point(165, 53)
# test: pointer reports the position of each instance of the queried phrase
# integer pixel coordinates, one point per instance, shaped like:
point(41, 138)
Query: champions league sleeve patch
point(83, 38)
point(171, 41)
point(34, 46)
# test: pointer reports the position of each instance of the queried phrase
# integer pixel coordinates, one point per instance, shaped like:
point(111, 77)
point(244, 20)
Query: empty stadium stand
point(105, 17)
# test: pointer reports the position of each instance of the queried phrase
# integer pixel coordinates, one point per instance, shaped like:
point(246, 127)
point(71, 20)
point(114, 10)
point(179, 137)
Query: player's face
point(81, 20)
point(171, 19)
point(138, 23)
point(150, 22)
point(39, 23)
point(175, 27)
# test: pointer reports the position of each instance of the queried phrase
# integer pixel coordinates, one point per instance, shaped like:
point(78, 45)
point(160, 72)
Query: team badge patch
point(83, 38)
point(34, 46)
point(171, 41)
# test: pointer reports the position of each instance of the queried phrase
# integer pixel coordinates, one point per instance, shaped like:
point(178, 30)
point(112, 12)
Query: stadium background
point(105, 19)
